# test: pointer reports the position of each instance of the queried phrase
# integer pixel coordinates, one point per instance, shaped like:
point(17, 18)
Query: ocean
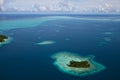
point(24, 59)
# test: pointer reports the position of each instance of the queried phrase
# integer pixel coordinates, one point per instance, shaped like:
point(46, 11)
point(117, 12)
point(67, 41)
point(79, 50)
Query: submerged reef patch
point(75, 64)
point(34, 22)
point(108, 39)
point(26, 23)
point(108, 33)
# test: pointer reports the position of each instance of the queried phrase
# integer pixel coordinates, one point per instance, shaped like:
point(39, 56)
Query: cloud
point(105, 6)
point(1, 2)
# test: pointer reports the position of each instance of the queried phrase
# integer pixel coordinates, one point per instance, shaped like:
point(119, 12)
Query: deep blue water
point(23, 60)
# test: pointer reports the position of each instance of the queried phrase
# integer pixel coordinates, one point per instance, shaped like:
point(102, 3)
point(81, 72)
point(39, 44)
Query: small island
point(77, 64)
point(74, 64)
point(3, 38)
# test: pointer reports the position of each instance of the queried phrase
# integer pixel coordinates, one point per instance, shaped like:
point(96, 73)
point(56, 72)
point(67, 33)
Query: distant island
point(3, 38)
point(77, 64)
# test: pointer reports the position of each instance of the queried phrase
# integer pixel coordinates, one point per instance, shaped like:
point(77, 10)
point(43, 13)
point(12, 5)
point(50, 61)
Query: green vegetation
point(77, 64)
point(2, 38)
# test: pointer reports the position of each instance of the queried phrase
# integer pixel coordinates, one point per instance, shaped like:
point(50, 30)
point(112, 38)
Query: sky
point(73, 6)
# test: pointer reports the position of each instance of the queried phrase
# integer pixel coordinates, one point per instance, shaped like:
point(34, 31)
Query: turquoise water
point(22, 59)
